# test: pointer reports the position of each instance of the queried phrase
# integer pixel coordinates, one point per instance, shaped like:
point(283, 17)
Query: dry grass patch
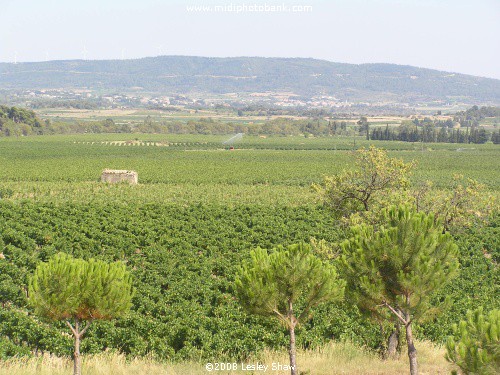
point(103, 364)
point(333, 359)
point(348, 359)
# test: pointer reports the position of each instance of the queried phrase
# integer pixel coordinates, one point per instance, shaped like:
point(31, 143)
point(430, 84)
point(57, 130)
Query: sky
point(453, 35)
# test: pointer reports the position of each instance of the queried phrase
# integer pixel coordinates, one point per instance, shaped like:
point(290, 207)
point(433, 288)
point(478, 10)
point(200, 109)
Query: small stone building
point(114, 175)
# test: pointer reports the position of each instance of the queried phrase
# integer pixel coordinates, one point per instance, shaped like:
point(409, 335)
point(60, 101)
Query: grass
point(333, 359)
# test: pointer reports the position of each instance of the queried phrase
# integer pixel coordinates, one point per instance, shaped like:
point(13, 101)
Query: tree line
point(434, 134)
point(16, 121)
point(463, 128)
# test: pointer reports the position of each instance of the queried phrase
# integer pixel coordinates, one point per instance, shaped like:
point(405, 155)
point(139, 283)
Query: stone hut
point(114, 175)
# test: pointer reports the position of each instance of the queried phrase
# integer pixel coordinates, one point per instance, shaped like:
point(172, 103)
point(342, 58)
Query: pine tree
point(77, 291)
point(482, 136)
point(495, 137)
point(475, 344)
point(394, 272)
point(287, 284)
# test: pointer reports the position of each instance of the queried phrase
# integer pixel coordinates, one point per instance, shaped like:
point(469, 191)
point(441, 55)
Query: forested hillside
point(182, 74)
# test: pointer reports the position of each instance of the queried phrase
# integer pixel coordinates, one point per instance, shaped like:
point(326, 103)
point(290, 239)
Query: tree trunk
point(393, 343)
point(293, 351)
point(365, 204)
point(77, 360)
point(412, 352)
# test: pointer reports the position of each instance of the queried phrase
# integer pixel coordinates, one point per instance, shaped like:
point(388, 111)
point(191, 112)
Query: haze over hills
point(305, 77)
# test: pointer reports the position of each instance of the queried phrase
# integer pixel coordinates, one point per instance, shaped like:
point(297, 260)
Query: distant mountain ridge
point(306, 77)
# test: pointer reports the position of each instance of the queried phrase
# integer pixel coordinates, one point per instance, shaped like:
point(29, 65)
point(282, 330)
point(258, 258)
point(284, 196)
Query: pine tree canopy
point(396, 269)
point(272, 282)
point(65, 288)
point(475, 344)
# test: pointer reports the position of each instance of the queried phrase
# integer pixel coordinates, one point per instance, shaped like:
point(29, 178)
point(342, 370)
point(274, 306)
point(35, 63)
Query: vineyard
point(184, 230)
point(197, 160)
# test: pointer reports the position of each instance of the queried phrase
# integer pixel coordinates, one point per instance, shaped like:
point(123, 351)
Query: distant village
point(89, 99)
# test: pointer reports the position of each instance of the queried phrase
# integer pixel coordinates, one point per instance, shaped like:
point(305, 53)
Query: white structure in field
point(115, 175)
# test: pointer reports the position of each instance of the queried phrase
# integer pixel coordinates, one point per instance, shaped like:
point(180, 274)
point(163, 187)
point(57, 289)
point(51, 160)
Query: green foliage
point(65, 288)
point(478, 282)
point(6, 193)
point(22, 335)
point(434, 130)
point(360, 194)
point(375, 176)
point(475, 344)
point(9, 349)
point(16, 121)
point(397, 269)
point(18, 116)
point(464, 204)
point(271, 283)
point(474, 115)
point(392, 273)
point(495, 137)
point(183, 259)
point(287, 284)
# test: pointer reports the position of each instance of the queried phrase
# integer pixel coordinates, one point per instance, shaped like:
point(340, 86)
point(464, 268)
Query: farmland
point(184, 230)
point(318, 193)
point(293, 162)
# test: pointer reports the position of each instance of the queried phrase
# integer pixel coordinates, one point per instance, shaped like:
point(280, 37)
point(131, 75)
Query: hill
point(304, 77)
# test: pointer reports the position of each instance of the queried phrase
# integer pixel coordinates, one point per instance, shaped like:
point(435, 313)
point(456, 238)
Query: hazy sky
point(454, 35)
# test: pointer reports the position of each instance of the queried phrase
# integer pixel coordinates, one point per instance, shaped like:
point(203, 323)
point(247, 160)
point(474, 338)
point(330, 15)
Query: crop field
point(133, 115)
point(225, 115)
point(184, 230)
point(191, 165)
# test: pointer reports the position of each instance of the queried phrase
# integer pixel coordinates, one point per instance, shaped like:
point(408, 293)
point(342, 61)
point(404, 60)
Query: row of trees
point(463, 128)
point(429, 134)
point(390, 273)
point(205, 126)
point(278, 126)
point(22, 122)
point(21, 127)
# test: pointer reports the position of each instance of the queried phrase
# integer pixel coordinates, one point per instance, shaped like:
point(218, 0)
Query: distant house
point(115, 175)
